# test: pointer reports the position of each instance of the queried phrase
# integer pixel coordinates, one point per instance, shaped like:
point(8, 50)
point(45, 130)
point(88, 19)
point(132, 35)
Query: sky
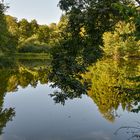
point(44, 11)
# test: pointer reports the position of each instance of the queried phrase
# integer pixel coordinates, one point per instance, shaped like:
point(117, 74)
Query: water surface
point(30, 109)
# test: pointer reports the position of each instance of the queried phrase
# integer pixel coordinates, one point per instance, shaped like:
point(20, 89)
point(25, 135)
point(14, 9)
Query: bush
point(122, 41)
point(33, 45)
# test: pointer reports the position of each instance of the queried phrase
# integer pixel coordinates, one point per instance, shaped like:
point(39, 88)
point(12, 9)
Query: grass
point(31, 55)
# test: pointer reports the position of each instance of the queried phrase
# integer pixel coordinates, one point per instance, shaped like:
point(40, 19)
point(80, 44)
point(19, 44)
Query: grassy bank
point(29, 55)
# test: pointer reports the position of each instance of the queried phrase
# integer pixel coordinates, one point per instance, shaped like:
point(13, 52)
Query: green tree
point(122, 42)
point(24, 29)
point(7, 38)
point(12, 26)
point(34, 26)
point(3, 29)
point(62, 27)
point(94, 18)
point(43, 33)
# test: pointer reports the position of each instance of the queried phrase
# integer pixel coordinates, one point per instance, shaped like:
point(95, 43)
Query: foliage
point(93, 18)
point(36, 38)
point(66, 69)
point(3, 29)
point(12, 25)
point(43, 33)
point(81, 28)
point(121, 42)
point(24, 29)
point(34, 26)
point(8, 31)
point(33, 45)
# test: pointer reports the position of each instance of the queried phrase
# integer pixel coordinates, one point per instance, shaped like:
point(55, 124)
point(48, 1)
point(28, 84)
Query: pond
point(36, 107)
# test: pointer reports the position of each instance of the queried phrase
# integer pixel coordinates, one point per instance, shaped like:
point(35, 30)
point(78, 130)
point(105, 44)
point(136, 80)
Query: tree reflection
point(66, 74)
point(14, 73)
point(5, 116)
point(8, 113)
point(114, 84)
point(22, 74)
point(111, 84)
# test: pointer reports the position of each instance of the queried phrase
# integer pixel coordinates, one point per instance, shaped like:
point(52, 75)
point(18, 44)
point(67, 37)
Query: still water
point(31, 108)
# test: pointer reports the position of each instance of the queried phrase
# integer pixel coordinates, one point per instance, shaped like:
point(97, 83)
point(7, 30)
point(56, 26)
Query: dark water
point(30, 109)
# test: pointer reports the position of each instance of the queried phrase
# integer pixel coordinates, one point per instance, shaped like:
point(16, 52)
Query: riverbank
point(27, 55)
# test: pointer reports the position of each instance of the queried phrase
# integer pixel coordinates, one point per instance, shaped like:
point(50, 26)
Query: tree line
point(88, 29)
point(23, 36)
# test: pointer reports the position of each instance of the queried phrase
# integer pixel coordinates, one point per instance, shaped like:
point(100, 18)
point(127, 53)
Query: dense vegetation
point(24, 36)
point(88, 29)
point(92, 23)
